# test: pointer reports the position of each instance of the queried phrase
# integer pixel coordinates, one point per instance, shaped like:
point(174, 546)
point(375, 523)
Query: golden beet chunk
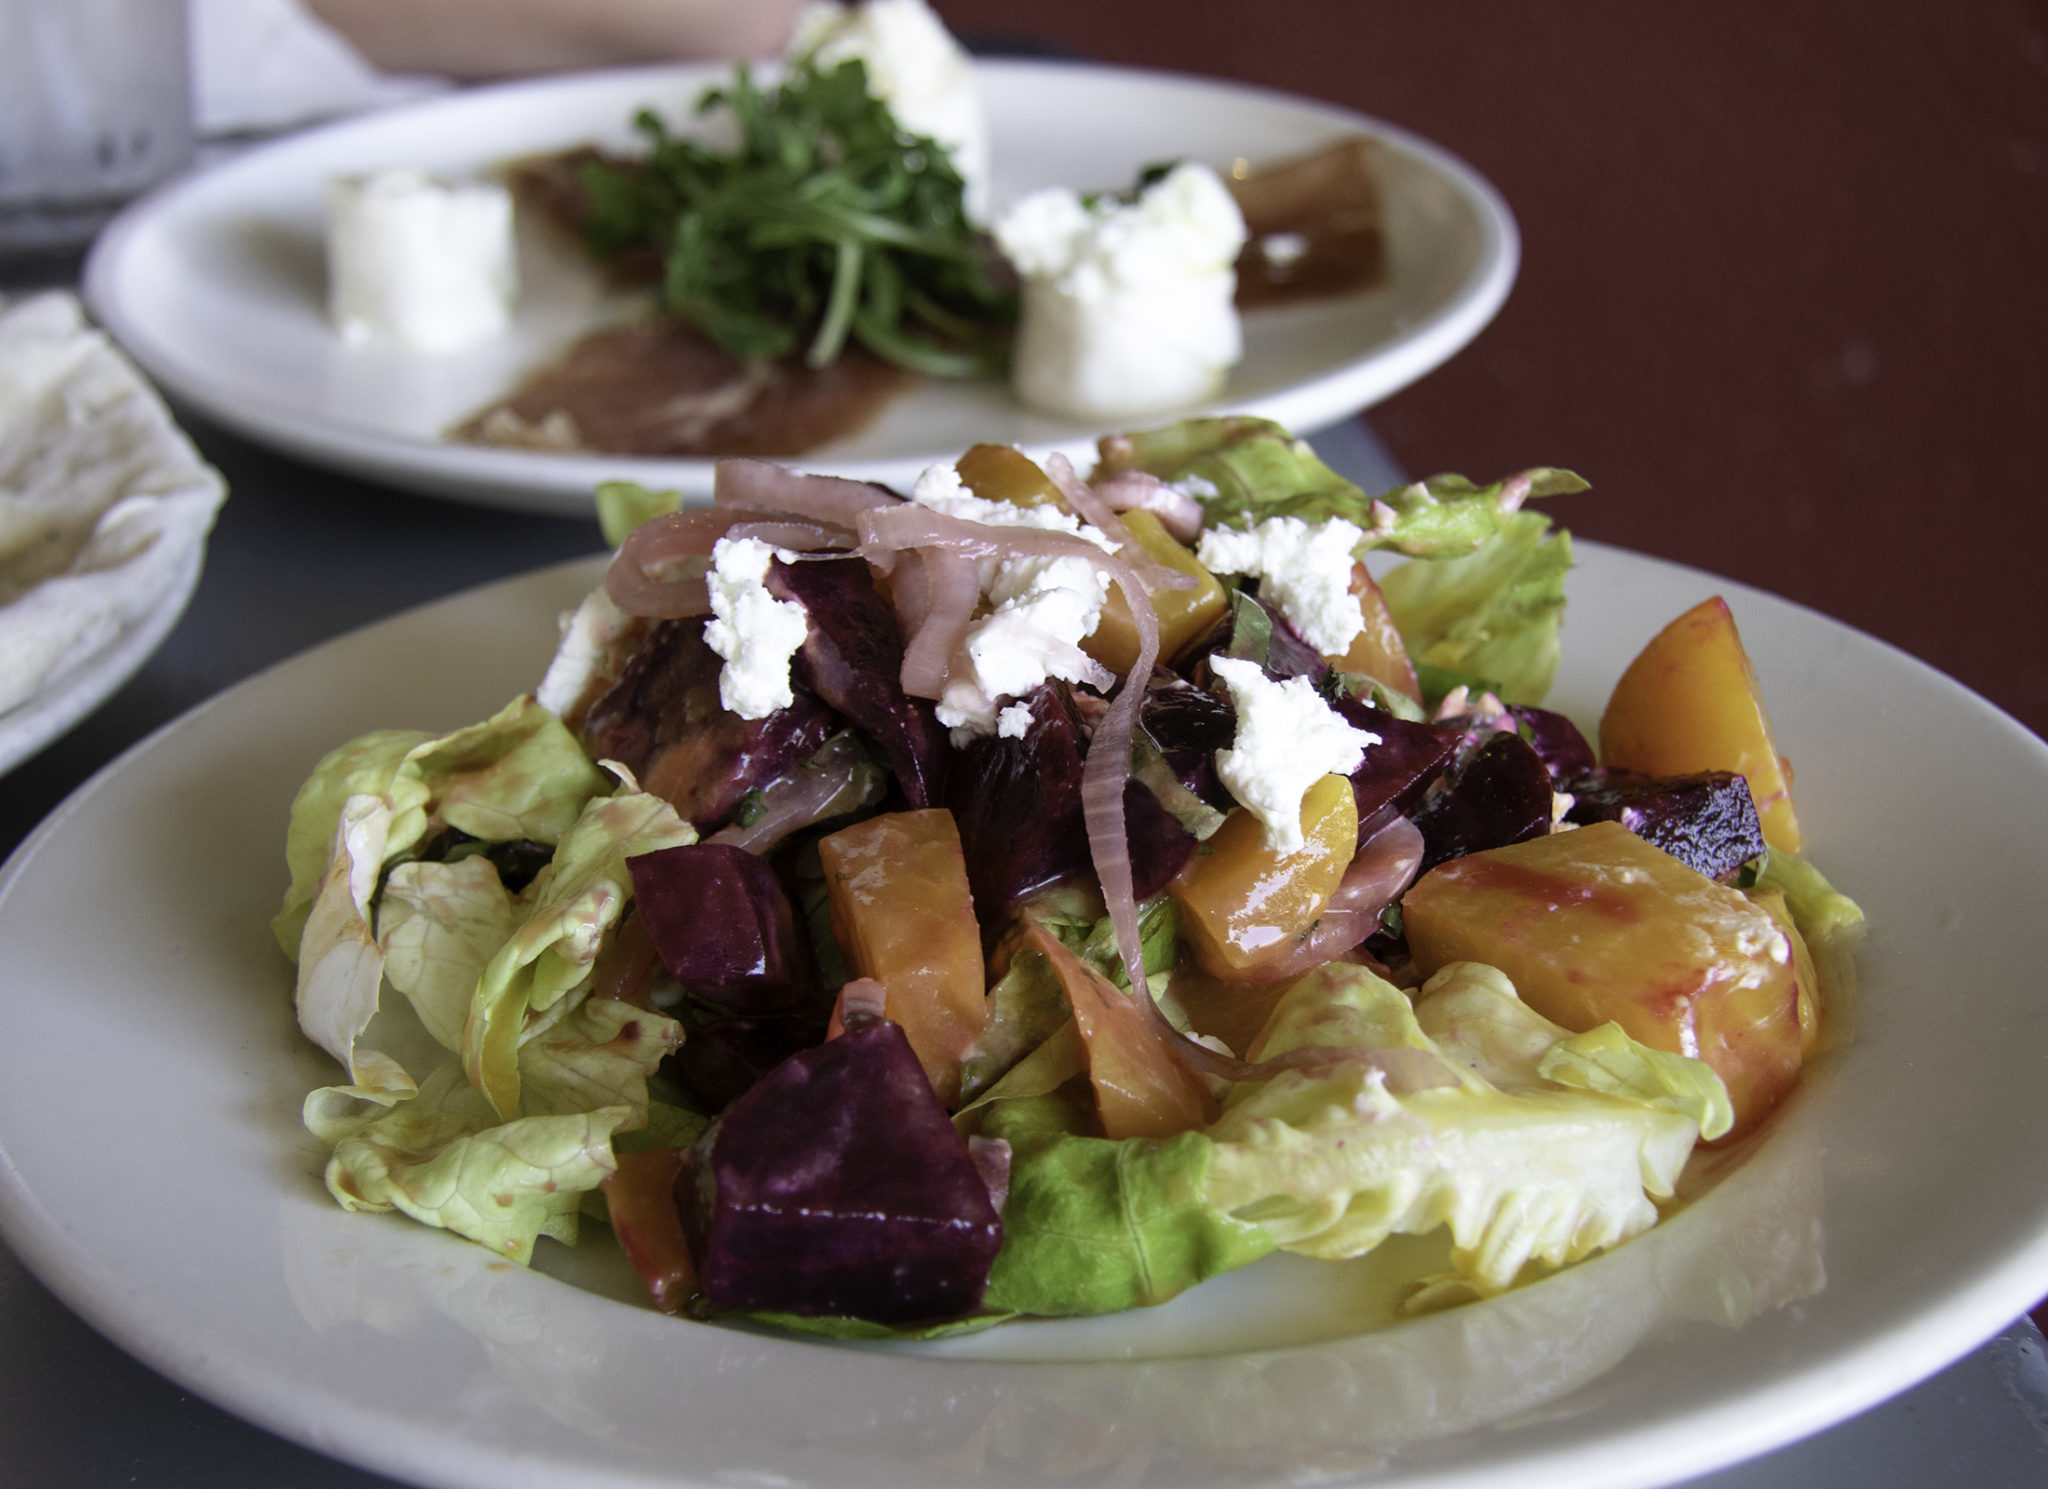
point(1143, 1086)
point(1185, 615)
point(1378, 652)
point(1595, 925)
point(1242, 905)
point(1689, 703)
point(1004, 473)
point(902, 914)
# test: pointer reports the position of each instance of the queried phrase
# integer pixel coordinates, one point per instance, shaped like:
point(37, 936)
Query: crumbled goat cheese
point(426, 264)
point(1014, 722)
point(1287, 739)
point(756, 633)
point(1303, 568)
point(1041, 609)
point(940, 488)
point(915, 67)
point(1127, 309)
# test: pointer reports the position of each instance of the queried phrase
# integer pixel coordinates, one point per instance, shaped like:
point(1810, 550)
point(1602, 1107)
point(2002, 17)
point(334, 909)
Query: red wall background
point(1782, 295)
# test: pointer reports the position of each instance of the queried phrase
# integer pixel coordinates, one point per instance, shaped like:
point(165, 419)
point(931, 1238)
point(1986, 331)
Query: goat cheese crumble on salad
point(1206, 934)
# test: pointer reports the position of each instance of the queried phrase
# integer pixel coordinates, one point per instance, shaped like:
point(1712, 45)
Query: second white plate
point(217, 285)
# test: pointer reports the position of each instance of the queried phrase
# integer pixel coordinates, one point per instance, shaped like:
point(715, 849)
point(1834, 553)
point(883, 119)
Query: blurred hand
point(500, 38)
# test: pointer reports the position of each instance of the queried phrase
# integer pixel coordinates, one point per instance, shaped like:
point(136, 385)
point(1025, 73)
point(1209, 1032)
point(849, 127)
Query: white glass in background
point(95, 107)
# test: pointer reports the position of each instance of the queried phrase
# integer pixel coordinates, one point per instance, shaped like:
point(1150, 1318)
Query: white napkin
point(102, 498)
point(259, 66)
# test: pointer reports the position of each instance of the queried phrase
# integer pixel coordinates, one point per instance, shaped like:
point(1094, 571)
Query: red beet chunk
point(721, 924)
point(663, 721)
point(1502, 796)
point(1017, 803)
point(1556, 741)
point(837, 1187)
point(719, 1062)
point(1396, 771)
point(853, 659)
point(1707, 822)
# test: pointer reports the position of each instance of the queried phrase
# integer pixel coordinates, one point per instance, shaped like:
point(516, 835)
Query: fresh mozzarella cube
point(1128, 308)
point(425, 264)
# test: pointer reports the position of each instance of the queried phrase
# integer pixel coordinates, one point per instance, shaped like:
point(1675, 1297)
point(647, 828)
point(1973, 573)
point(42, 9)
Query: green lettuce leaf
point(624, 505)
point(518, 774)
point(447, 1160)
point(367, 766)
point(1331, 1158)
point(599, 1054)
point(1605, 1059)
point(1493, 615)
point(1244, 471)
point(1823, 913)
point(341, 967)
point(1025, 1008)
point(573, 901)
point(1094, 1226)
point(668, 1126)
point(439, 925)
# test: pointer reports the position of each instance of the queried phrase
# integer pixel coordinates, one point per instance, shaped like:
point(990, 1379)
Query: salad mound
point(1033, 895)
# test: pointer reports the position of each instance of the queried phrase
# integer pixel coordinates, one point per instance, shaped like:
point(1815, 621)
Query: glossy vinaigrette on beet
point(896, 913)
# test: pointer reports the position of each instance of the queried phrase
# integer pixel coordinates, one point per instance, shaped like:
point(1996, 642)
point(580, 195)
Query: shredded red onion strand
point(642, 578)
point(763, 486)
point(1137, 490)
point(1092, 509)
point(952, 589)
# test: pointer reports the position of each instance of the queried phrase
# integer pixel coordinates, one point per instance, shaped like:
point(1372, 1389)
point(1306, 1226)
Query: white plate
point(70, 696)
point(216, 286)
point(153, 1172)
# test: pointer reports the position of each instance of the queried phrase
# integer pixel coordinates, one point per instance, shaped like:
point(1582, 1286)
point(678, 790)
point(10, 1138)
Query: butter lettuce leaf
point(1491, 617)
point(1095, 1226)
point(366, 766)
point(341, 966)
point(447, 1160)
point(597, 1055)
point(1244, 471)
point(439, 925)
point(519, 774)
point(1334, 1157)
point(1605, 1059)
point(1823, 913)
point(624, 505)
point(571, 904)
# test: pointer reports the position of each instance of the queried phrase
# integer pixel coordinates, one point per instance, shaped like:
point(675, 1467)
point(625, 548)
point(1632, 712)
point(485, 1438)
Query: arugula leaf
point(828, 223)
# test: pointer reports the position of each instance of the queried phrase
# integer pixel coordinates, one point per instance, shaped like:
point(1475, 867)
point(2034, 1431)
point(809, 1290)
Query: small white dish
point(216, 285)
point(154, 1174)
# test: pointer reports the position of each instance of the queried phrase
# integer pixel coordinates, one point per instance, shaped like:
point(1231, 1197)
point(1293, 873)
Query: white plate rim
point(1905, 1351)
point(69, 696)
point(560, 484)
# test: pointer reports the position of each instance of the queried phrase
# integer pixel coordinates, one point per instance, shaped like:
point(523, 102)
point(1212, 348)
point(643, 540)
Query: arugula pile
point(829, 222)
